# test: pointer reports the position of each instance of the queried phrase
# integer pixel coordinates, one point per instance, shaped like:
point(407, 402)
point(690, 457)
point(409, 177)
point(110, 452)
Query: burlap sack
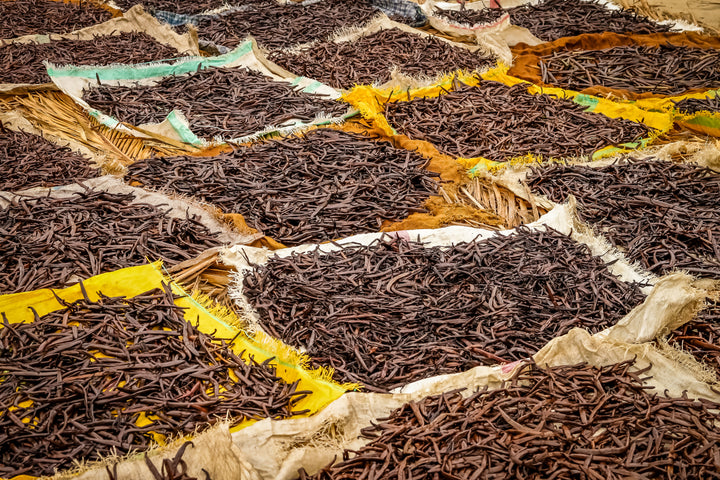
point(211, 451)
point(277, 449)
point(501, 31)
point(74, 80)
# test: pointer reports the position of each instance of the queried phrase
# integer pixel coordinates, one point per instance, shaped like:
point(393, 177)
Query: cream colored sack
point(277, 449)
point(678, 296)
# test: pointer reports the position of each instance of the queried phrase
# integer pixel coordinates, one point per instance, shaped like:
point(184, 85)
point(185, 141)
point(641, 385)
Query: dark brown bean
point(29, 161)
point(275, 25)
point(663, 215)
point(666, 69)
point(50, 242)
point(231, 102)
point(371, 58)
point(694, 105)
point(32, 17)
point(194, 7)
point(553, 19)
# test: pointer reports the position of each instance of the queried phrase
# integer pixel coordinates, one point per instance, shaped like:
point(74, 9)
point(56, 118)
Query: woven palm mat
point(56, 114)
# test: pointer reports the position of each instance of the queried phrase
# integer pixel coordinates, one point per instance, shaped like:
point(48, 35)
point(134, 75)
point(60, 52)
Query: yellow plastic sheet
point(704, 122)
point(221, 323)
point(371, 101)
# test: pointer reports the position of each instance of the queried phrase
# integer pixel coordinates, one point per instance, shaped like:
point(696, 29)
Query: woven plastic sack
point(74, 80)
point(134, 20)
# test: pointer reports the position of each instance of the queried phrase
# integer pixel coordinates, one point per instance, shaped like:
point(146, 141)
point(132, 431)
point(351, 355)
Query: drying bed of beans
point(90, 370)
point(562, 422)
point(371, 58)
point(324, 185)
point(28, 161)
point(499, 122)
point(185, 7)
point(662, 215)
point(665, 69)
point(32, 17)
point(170, 469)
point(50, 242)
point(227, 102)
point(396, 311)
point(695, 105)
point(553, 19)
point(277, 26)
point(23, 63)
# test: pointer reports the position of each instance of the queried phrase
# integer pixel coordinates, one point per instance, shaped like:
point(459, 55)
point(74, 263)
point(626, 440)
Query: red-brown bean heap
point(324, 185)
point(662, 215)
point(370, 59)
point(84, 375)
point(231, 102)
point(23, 63)
point(50, 242)
point(562, 422)
point(396, 311)
point(28, 161)
point(499, 122)
point(33, 17)
point(667, 69)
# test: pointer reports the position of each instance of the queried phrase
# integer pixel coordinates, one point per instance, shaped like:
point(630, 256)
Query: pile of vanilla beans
point(397, 311)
